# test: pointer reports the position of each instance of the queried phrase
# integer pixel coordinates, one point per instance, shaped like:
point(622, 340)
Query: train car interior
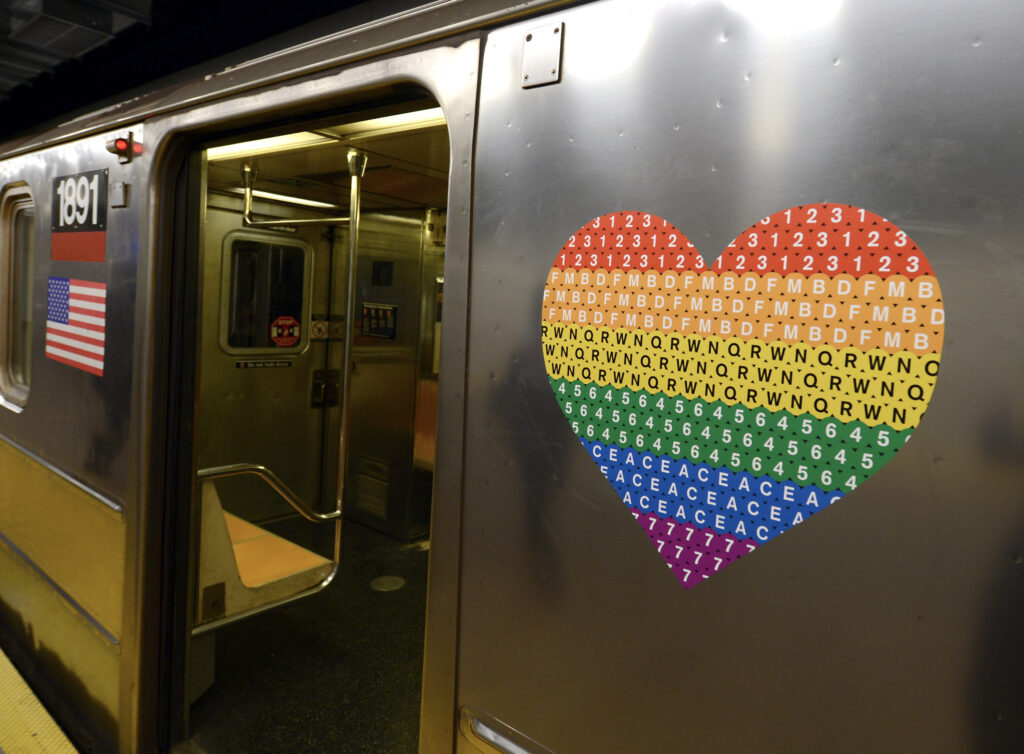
point(320, 274)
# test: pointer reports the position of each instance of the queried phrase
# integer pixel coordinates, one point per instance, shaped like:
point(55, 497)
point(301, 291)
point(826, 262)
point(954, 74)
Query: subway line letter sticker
point(726, 405)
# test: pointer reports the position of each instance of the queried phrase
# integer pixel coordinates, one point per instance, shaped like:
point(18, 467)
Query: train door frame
point(449, 75)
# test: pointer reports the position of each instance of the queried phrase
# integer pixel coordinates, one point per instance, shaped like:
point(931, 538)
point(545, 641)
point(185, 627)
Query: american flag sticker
point(76, 323)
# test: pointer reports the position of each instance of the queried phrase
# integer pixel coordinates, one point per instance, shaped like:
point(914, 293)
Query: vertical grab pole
point(248, 178)
point(356, 168)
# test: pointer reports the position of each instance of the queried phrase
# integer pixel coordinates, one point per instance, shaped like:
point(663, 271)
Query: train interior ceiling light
point(297, 200)
point(358, 131)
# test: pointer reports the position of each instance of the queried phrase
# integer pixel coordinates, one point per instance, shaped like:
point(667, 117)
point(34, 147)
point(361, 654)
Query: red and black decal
point(78, 218)
point(285, 331)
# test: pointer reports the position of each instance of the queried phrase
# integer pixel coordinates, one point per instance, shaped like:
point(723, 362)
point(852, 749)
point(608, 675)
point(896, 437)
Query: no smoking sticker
point(319, 329)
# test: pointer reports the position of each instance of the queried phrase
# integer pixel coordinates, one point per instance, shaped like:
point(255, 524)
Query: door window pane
point(17, 241)
point(23, 238)
point(267, 287)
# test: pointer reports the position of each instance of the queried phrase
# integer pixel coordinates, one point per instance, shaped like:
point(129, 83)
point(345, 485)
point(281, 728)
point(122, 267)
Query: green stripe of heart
point(824, 452)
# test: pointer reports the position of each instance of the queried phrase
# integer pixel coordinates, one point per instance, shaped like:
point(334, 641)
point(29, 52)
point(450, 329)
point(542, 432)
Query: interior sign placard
point(380, 321)
point(79, 217)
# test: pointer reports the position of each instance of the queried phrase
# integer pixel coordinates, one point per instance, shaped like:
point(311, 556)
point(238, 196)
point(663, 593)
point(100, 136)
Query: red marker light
point(125, 147)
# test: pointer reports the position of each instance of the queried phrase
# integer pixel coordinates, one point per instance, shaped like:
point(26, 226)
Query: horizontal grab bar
point(249, 220)
point(213, 625)
point(268, 476)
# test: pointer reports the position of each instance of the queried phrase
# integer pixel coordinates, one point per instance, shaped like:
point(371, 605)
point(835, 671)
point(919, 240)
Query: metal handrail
point(213, 625)
point(248, 216)
point(356, 169)
point(268, 476)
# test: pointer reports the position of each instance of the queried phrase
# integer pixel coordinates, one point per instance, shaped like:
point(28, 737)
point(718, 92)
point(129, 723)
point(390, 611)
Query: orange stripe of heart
point(894, 314)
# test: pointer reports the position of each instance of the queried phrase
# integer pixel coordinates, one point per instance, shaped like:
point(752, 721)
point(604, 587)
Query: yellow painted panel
point(25, 725)
point(263, 557)
point(74, 539)
point(273, 568)
point(240, 530)
point(67, 648)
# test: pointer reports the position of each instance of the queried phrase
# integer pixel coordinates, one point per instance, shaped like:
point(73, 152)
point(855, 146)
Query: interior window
point(266, 295)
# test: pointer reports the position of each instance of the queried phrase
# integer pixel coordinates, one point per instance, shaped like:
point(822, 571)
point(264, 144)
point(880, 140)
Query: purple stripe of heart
point(693, 553)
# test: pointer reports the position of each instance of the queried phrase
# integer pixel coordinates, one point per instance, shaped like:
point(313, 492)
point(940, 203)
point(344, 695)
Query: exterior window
point(265, 295)
point(17, 214)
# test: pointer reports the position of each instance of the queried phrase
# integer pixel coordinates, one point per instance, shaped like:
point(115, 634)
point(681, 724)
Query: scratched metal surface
point(79, 423)
point(889, 622)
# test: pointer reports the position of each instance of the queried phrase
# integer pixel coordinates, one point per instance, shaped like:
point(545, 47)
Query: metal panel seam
point(57, 588)
point(107, 501)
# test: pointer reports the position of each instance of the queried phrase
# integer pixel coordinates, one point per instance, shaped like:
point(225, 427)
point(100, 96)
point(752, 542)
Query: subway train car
point(602, 326)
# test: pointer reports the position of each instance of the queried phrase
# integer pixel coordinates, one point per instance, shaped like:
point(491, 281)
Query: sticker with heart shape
point(726, 405)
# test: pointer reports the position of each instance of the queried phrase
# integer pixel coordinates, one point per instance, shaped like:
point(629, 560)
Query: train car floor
point(25, 725)
point(336, 672)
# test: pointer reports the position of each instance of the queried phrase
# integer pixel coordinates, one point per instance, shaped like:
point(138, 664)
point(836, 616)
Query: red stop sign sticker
point(285, 331)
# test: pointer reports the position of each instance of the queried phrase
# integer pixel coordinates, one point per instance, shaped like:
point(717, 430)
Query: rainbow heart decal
point(726, 405)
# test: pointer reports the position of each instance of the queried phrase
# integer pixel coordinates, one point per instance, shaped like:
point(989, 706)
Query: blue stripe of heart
point(727, 502)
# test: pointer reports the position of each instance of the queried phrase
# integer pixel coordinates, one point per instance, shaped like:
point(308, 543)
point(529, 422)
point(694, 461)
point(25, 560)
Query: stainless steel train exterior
point(890, 622)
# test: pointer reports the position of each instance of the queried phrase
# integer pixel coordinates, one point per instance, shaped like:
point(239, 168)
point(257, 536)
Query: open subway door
point(321, 282)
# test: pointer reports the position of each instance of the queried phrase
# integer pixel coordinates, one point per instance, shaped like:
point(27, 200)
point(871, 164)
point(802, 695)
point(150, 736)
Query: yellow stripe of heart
point(874, 387)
